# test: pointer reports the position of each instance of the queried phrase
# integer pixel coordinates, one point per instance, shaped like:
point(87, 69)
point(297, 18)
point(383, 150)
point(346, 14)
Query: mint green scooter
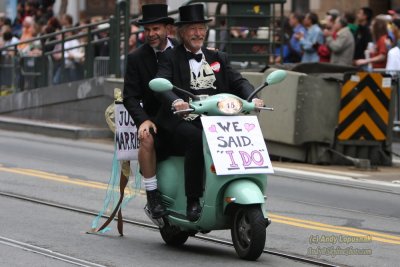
point(233, 202)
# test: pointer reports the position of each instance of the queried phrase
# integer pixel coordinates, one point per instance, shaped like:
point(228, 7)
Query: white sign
point(237, 145)
point(126, 135)
point(386, 82)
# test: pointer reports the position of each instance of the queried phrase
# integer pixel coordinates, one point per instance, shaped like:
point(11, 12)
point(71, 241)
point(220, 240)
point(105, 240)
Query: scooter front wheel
point(173, 236)
point(248, 232)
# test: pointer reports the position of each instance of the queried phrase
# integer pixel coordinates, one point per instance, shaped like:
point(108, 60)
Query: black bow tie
point(194, 56)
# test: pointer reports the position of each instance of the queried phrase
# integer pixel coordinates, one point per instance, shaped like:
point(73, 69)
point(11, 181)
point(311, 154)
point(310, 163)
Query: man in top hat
point(200, 71)
point(139, 100)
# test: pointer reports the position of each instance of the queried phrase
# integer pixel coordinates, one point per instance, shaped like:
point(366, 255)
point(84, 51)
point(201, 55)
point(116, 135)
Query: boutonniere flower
point(215, 66)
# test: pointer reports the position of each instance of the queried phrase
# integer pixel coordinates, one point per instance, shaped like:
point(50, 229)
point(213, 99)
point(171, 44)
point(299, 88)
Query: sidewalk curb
point(53, 129)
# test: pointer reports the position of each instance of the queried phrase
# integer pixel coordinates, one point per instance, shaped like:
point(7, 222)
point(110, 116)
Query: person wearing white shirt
point(393, 56)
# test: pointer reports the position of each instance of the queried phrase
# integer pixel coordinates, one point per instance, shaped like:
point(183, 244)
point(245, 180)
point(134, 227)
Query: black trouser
point(188, 142)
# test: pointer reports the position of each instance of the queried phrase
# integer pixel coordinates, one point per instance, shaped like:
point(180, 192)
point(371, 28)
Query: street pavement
point(305, 202)
point(386, 175)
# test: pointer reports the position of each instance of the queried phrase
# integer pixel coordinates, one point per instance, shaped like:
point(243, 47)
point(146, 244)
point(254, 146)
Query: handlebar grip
point(183, 111)
point(264, 108)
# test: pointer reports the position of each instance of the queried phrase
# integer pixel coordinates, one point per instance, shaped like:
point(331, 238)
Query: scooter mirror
point(276, 77)
point(160, 85)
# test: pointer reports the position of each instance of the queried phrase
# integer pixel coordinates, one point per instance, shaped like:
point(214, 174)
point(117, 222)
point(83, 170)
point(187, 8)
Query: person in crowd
point(66, 21)
point(295, 52)
point(8, 39)
point(312, 39)
point(363, 34)
point(2, 20)
point(73, 57)
point(324, 52)
point(29, 31)
point(342, 46)
point(53, 25)
point(84, 21)
point(391, 35)
point(201, 71)
point(102, 48)
point(333, 12)
point(350, 17)
point(141, 102)
point(239, 32)
point(2, 17)
point(282, 51)
point(393, 57)
point(5, 24)
point(378, 52)
point(395, 13)
point(133, 38)
point(223, 35)
point(17, 23)
point(30, 8)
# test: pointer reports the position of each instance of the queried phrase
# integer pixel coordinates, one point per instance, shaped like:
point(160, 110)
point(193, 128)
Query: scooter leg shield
point(243, 192)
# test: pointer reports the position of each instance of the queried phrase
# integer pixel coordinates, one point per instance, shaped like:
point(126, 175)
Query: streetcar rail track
point(47, 252)
point(145, 225)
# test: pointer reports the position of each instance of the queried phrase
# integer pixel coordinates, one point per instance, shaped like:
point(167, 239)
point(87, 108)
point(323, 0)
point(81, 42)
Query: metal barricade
point(366, 116)
point(32, 72)
point(50, 70)
point(100, 66)
point(395, 83)
point(332, 119)
point(7, 74)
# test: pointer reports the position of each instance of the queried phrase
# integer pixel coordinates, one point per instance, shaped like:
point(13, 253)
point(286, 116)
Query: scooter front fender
point(243, 192)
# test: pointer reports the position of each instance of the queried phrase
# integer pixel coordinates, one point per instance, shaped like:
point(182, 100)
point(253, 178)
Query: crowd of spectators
point(353, 38)
point(35, 19)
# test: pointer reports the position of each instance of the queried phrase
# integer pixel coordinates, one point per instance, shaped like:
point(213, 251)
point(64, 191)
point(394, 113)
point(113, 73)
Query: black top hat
point(155, 13)
point(192, 14)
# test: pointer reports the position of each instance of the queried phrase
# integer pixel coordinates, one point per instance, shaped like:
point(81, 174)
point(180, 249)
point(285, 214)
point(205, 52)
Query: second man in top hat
point(200, 71)
point(140, 101)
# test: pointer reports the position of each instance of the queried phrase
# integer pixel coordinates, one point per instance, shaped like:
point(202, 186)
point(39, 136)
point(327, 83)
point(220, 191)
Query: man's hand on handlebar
point(259, 103)
point(180, 106)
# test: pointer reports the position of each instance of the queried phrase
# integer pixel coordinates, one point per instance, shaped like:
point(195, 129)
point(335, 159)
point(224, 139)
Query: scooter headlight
point(230, 106)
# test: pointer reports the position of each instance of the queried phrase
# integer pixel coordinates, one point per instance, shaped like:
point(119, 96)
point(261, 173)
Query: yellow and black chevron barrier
point(364, 107)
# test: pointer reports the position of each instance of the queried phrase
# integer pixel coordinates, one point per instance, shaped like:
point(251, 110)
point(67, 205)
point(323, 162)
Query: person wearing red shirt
point(377, 55)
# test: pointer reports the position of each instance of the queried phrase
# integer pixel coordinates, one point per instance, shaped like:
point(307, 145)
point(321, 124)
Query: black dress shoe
point(155, 205)
point(193, 211)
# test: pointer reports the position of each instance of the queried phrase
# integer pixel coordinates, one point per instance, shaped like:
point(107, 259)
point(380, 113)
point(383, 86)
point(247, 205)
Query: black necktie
point(194, 56)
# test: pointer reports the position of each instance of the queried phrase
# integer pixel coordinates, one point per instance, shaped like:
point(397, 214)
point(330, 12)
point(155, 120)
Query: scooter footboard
point(244, 192)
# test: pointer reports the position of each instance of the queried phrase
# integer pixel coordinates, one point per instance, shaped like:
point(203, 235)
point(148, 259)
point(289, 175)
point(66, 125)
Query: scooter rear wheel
point(173, 236)
point(248, 232)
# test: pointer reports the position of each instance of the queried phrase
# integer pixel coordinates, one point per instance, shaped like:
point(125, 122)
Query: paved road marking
point(285, 167)
point(349, 177)
point(55, 177)
point(376, 236)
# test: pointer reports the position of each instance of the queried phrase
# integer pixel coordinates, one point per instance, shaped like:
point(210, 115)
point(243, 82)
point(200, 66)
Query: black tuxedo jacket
point(141, 68)
point(174, 66)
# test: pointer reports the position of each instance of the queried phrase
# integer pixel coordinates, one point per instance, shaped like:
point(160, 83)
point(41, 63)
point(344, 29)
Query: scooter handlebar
point(183, 111)
point(264, 108)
